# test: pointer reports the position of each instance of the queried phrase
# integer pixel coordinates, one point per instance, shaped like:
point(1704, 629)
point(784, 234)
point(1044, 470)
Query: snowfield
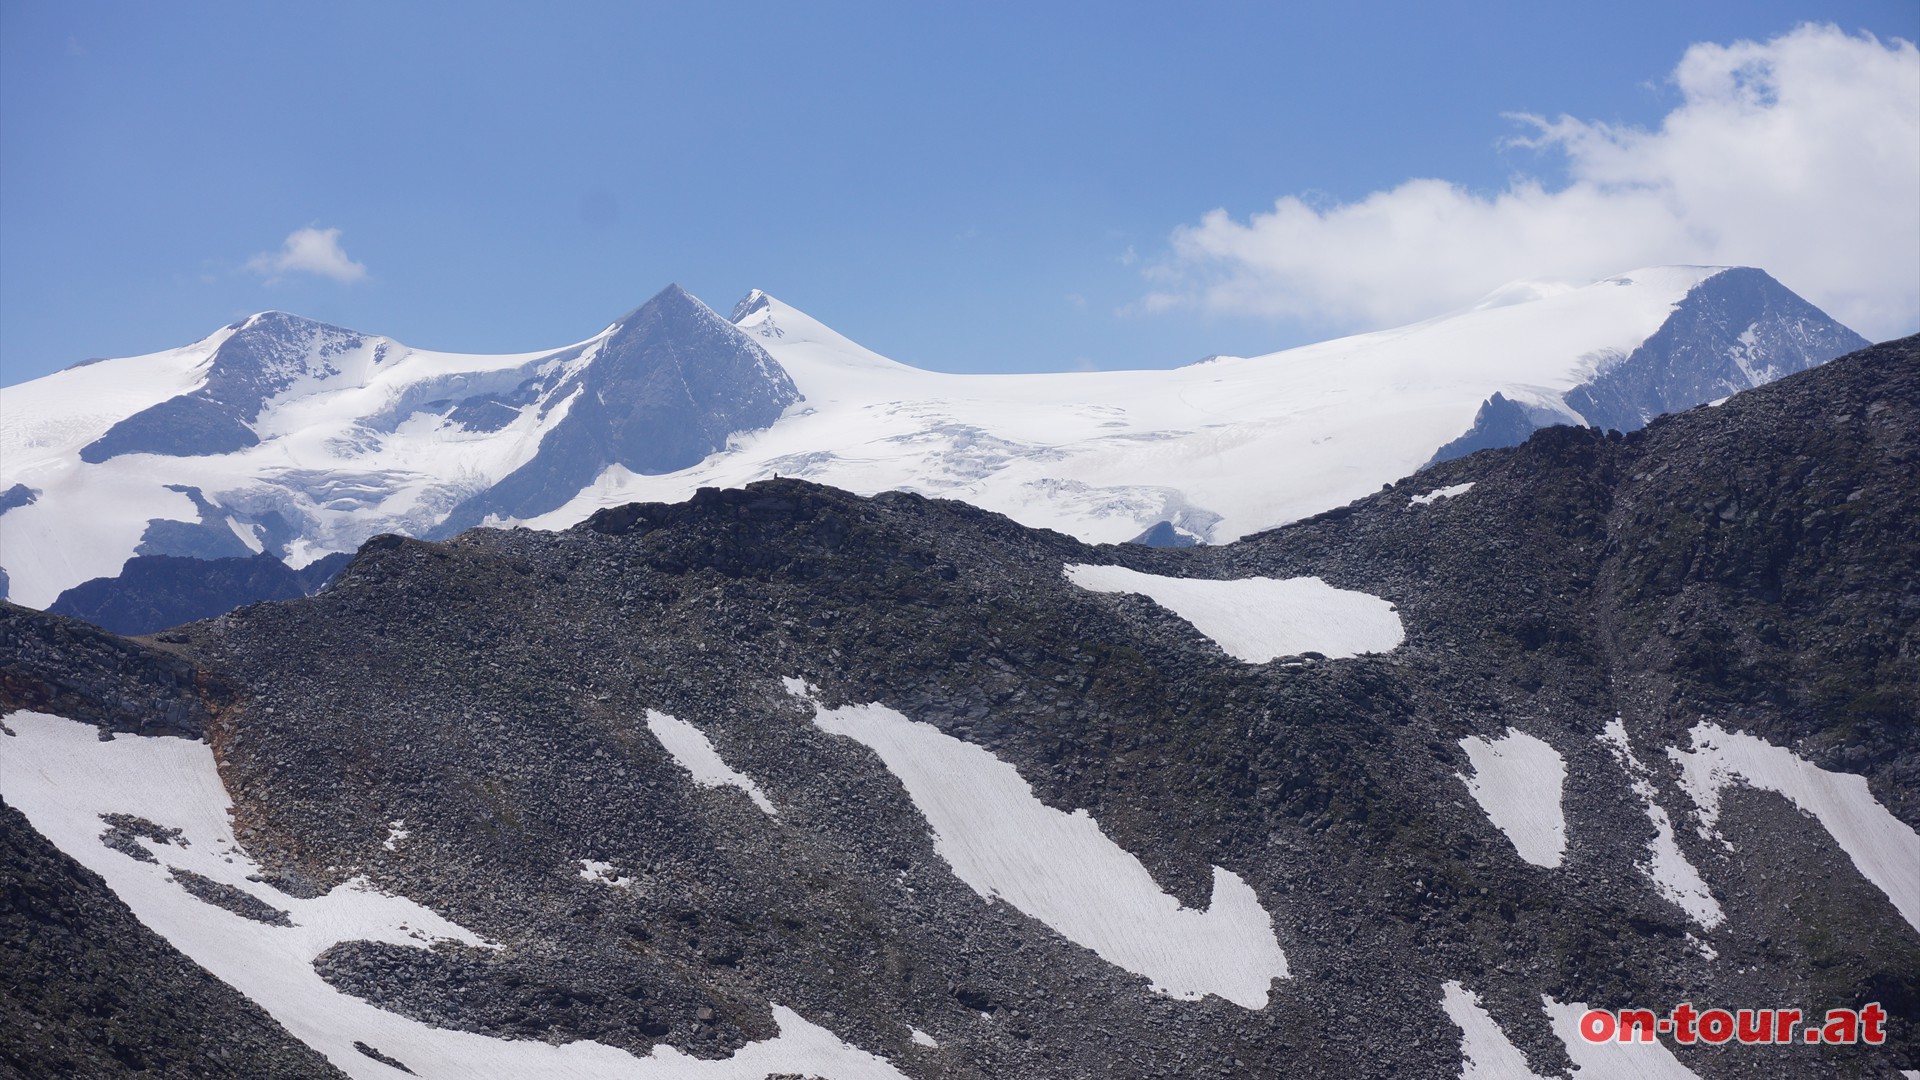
point(1260, 619)
point(63, 778)
point(1517, 780)
point(360, 442)
point(1884, 849)
point(1062, 869)
point(1221, 448)
point(1485, 1051)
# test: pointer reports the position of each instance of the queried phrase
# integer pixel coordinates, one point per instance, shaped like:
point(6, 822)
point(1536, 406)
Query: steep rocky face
point(154, 592)
point(666, 389)
point(1747, 566)
point(1734, 331)
point(264, 356)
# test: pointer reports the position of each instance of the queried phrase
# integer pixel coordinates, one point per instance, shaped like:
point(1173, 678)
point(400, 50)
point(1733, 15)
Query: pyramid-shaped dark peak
point(672, 300)
point(670, 384)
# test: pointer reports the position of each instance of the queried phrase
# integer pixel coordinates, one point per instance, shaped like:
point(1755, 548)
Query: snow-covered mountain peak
point(292, 436)
point(795, 337)
point(755, 300)
point(674, 307)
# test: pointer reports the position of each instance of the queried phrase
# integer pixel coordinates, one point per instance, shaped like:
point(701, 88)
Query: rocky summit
point(784, 781)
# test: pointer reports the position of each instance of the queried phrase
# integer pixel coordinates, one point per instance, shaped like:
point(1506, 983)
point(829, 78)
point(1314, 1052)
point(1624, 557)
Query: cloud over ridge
point(308, 251)
point(1799, 155)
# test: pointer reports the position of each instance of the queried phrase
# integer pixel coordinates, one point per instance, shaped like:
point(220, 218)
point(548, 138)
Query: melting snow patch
point(695, 753)
point(1258, 619)
point(1881, 846)
point(921, 1038)
point(396, 832)
point(1485, 1051)
point(1062, 870)
point(602, 872)
point(1516, 780)
point(1666, 865)
point(1611, 1060)
point(1437, 494)
point(63, 778)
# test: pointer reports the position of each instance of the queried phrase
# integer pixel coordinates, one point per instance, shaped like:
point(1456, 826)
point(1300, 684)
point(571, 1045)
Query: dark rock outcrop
point(64, 666)
point(154, 592)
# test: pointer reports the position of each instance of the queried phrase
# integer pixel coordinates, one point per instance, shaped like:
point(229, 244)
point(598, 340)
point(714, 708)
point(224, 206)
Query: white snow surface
point(1666, 866)
point(1611, 1060)
point(1062, 869)
point(603, 873)
point(1437, 494)
point(1517, 780)
point(62, 777)
point(396, 832)
point(1258, 619)
point(1220, 449)
point(1485, 1051)
point(1884, 849)
point(1487, 1054)
point(694, 752)
point(346, 452)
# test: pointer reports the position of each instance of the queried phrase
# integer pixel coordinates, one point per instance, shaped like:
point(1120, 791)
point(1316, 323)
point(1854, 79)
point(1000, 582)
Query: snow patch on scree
point(603, 873)
point(1666, 864)
point(1440, 493)
point(1062, 870)
point(694, 752)
point(1258, 619)
point(1516, 780)
point(1485, 1051)
point(62, 777)
point(1881, 846)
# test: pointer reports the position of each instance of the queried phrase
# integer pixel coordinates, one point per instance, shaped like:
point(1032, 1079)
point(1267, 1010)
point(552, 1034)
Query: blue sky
point(971, 187)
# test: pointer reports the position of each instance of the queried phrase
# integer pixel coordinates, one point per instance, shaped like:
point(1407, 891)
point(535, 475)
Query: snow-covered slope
point(1234, 445)
point(283, 435)
point(286, 435)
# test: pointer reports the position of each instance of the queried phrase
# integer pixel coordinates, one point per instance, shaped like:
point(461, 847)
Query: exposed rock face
point(265, 355)
point(90, 993)
point(65, 666)
point(1749, 565)
point(1734, 331)
point(154, 592)
point(667, 389)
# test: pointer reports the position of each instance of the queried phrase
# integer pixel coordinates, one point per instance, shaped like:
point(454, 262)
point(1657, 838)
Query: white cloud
point(1799, 155)
point(308, 251)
